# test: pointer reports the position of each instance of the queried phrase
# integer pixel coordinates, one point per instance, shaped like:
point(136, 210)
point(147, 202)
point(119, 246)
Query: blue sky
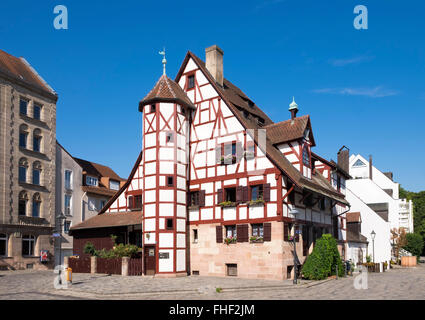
point(363, 88)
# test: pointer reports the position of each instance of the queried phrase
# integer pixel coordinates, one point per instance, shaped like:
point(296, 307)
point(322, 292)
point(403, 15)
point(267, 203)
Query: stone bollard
point(66, 262)
point(93, 264)
point(124, 266)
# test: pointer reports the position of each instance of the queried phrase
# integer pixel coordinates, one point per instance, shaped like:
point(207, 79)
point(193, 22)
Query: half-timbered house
point(221, 188)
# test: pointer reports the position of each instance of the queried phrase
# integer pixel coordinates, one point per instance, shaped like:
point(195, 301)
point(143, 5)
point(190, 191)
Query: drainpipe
point(82, 206)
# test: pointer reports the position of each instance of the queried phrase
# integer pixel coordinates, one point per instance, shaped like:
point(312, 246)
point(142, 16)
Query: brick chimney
point(214, 63)
point(343, 158)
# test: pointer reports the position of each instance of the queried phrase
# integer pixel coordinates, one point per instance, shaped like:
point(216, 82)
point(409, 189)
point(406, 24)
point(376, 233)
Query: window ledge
point(41, 123)
point(195, 207)
point(228, 204)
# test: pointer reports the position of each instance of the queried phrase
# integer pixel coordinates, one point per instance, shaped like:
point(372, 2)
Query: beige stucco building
point(27, 165)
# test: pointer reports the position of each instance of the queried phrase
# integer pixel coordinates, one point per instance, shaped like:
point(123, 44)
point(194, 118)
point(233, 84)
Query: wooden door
point(150, 260)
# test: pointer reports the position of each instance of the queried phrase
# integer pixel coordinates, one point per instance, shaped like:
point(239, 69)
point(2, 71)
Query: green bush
point(90, 249)
point(415, 244)
point(324, 259)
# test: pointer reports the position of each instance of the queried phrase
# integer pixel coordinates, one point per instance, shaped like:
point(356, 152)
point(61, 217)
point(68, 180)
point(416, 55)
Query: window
point(102, 204)
point(170, 181)
point(23, 166)
point(338, 183)
point(257, 192)
point(91, 181)
point(138, 204)
point(230, 231)
point(36, 173)
point(250, 151)
point(130, 202)
point(23, 106)
point(258, 230)
point(152, 108)
point(169, 224)
point(36, 205)
point(3, 245)
point(169, 137)
point(92, 204)
point(28, 244)
point(114, 185)
point(232, 269)
point(23, 136)
point(306, 156)
point(66, 226)
point(194, 198)
point(37, 112)
point(191, 82)
point(37, 140)
point(195, 235)
point(229, 155)
point(322, 204)
point(68, 181)
point(22, 207)
point(230, 194)
point(67, 203)
point(359, 163)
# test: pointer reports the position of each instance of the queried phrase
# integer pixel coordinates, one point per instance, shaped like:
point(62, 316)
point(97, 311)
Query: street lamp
point(294, 212)
point(60, 218)
point(372, 235)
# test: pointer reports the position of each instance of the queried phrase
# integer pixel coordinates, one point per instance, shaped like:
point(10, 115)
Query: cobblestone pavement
point(400, 283)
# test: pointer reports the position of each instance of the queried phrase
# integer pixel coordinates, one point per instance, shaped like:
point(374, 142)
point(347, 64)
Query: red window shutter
point(285, 232)
point(267, 232)
point(245, 194)
point(219, 234)
point(219, 196)
point(242, 233)
point(239, 194)
point(266, 192)
point(202, 198)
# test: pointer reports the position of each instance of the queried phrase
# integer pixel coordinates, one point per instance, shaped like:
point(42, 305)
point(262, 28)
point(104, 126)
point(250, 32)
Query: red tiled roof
point(103, 191)
point(166, 90)
point(289, 130)
point(317, 184)
point(20, 70)
point(97, 170)
point(110, 220)
point(353, 217)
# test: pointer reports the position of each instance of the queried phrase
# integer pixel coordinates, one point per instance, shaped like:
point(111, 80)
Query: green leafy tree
point(324, 260)
point(90, 249)
point(415, 244)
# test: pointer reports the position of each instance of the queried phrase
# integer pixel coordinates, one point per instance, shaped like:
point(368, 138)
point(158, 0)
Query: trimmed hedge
point(415, 244)
point(322, 262)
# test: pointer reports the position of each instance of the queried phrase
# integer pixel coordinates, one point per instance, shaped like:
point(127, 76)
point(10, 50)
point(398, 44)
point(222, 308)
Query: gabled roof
point(110, 220)
point(166, 90)
point(290, 130)
point(20, 70)
point(317, 184)
point(97, 170)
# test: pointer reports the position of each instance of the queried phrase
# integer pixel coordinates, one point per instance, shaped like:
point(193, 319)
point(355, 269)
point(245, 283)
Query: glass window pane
point(23, 139)
point(36, 177)
point(37, 112)
point(23, 106)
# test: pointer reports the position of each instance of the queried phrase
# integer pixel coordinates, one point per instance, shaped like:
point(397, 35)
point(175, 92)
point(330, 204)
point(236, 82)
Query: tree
point(415, 244)
point(324, 260)
point(398, 237)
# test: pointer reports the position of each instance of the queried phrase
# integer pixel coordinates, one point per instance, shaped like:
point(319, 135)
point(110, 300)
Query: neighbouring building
point(219, 188)
point(82, 190)
point(27, 165)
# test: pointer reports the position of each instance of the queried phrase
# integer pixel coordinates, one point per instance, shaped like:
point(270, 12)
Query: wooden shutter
point(267, 232)
point(130, 202)
point(201, 198)
point(266, 192)
point(218, 154)
point(245, 194)
point(285, 232)
point(219, 234)
point(239, 151)
point(242, 233)
point(239, 194)
point(219, 196)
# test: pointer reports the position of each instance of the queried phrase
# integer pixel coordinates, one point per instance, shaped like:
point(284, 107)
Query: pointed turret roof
point(166, 90)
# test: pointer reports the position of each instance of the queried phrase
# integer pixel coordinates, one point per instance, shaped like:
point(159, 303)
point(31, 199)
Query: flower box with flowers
point(256, 239)
point(257, 202)
point(229, 240)
point(227, 204)
point(228, 159)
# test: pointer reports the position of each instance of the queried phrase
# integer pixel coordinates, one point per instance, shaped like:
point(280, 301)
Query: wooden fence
point(135, 267)
point(109, 266)
point(80, 265)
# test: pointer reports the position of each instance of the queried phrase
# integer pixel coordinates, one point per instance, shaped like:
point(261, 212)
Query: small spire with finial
point(164, 61)
point(293, 107)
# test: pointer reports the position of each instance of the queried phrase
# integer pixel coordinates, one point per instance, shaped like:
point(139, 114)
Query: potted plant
point(256, 239)
point(227, 204)
point(229, 240)
point(259, 201)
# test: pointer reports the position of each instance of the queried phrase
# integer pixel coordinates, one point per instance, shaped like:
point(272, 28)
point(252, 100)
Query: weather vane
point(164, 61)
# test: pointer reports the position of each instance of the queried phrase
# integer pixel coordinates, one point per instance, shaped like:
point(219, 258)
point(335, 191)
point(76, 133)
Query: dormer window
point(191, 82)
point(306, 157)
point(92, 181)
point(359, 163)
point(114, 185)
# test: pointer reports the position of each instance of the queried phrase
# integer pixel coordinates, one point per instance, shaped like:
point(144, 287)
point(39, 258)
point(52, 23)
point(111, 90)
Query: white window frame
point(70, 204)
point(64, 229)
point(70, 179)
point(114, 181)
point(88, 178)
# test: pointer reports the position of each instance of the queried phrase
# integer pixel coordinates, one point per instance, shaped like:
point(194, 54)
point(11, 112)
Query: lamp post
point(61, 218)
point(294, 212)
point(372, 235)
